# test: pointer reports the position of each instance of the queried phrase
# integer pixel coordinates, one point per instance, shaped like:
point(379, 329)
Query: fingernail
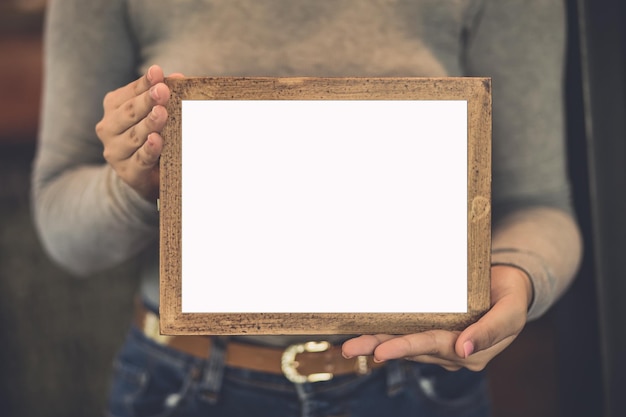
point(346, 356)
point(378, 360)
point(149, 74)
point(468, 348)
point(154, 93)
point(153, 114)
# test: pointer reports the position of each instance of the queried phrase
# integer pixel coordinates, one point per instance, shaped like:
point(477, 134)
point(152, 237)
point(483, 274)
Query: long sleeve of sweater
point(521, 45)
point(88, 219)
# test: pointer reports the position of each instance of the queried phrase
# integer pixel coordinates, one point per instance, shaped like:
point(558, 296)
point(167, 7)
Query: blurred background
point(58, 334)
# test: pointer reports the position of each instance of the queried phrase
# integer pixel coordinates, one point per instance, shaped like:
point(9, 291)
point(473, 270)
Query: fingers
point(428, 347)
point(128, 105)
point(434, 343)
point(449, 365)
point(119, 119)
point(134, 116)
point(122, 146)
point(131, 113)
point(432, 347)
point(116, 98)
point(147, 156)
point(435, 347)
point(363, 345)
point(143, 174)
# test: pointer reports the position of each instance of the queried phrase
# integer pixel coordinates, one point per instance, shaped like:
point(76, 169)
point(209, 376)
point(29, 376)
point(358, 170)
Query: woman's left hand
point(474, 347)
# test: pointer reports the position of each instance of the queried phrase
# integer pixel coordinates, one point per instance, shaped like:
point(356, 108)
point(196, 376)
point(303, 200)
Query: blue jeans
point(153, 380)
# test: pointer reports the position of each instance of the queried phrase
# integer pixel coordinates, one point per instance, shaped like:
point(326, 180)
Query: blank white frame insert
point(334, 206)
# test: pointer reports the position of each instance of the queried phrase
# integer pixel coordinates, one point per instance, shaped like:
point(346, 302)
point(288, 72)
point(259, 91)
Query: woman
point(94, 190)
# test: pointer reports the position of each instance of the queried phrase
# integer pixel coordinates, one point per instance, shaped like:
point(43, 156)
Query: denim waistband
point(151, 379)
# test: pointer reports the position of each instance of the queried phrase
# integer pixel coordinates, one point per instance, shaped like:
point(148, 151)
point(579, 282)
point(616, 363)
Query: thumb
point(505, 320)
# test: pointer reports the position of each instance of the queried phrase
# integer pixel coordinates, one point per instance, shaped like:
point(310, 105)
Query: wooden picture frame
point(475, 91)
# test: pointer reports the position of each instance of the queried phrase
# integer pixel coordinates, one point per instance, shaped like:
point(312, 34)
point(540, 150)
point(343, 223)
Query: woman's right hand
point(130, 131)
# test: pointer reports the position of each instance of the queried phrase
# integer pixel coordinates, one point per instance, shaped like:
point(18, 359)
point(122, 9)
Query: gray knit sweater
point(89, 220)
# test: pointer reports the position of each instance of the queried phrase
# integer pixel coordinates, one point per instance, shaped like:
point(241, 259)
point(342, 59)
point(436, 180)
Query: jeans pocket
point(147, 383)
point(452, 393)
point(127, 385)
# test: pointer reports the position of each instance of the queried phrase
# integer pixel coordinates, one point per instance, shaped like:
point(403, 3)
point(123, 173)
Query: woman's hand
point(474, 347)
point(130, 131)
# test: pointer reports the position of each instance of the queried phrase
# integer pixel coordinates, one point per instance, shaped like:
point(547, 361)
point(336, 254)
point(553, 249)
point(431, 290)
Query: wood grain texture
point(477, 92)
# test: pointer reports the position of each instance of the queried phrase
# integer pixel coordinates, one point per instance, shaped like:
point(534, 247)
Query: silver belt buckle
point(289, 364)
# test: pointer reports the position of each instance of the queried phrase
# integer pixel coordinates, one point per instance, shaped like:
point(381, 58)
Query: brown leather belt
point(304, 362)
